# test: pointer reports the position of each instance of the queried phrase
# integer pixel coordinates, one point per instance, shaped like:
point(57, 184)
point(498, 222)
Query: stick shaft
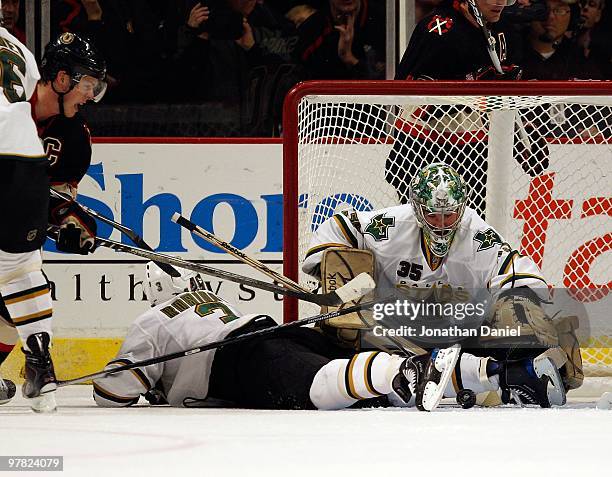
point(323, 299)
point(239, 254)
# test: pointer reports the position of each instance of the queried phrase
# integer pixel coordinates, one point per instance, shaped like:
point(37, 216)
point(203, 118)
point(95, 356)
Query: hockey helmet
point(80, 59)
point(438, 195)
point(162, 287)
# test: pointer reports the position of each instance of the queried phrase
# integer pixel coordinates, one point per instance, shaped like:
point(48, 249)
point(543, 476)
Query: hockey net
point(537, 157)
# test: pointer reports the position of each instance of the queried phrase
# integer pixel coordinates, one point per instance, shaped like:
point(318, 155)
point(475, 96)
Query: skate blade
point(445, 362)
point(554, 390)
point(43, 403)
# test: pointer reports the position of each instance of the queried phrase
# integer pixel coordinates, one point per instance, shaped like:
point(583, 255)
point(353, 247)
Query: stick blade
point(356, 288)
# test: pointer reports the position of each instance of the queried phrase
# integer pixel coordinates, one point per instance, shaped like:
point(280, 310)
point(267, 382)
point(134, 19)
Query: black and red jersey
point(445, 45)
point(67, 143)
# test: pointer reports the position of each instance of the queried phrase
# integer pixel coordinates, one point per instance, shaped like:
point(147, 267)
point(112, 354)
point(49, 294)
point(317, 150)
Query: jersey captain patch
point(379, 227)
point(487, 238)
point(440, 25)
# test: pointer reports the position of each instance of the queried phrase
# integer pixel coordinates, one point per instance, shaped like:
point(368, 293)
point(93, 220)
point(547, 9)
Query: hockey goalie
point(436, 242)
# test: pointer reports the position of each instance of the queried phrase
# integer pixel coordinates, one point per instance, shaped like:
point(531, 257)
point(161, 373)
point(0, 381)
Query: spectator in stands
point(131, 35)
point(595, 41)
point(10, 17)
point(72, 16)
point(224, 46)
point(550, 53)
point(299, 14)
point(344, 39)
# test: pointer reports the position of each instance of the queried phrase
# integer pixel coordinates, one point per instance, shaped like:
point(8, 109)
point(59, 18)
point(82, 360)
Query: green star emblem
point(487, 238)
point(379, 227)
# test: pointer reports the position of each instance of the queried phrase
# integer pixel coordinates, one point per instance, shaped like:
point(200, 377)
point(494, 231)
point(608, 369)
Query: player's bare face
point(10, 13)
point(85, 90)
point(345, 6)
point(558, 19)
point(591, 12)
point(491, 9)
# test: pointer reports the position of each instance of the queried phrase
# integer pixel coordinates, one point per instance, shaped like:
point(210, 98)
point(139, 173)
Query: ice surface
point(161, 441)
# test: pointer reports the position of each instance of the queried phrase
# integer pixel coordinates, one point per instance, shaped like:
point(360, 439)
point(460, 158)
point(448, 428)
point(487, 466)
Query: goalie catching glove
point(521, 310)
point(77, 228)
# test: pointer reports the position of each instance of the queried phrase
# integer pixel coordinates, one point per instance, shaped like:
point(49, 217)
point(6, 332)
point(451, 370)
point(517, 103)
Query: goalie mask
point(438, 195)
point(78, 57)
point(161, 287)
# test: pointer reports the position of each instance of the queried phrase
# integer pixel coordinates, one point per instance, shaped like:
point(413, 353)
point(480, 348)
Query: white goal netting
point(539, 165)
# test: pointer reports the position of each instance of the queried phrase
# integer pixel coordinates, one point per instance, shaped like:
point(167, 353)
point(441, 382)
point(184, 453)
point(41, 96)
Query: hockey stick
point(239, 254)
point(475, 11)
point(220, 343)
point(133, 236)
point(404, 345)
point(350, 291)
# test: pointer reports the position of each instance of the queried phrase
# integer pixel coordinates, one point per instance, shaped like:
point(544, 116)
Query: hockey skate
point(7, 390)
point(40, 383)
point(532, 381)
point(406, 381)
point(437, 374)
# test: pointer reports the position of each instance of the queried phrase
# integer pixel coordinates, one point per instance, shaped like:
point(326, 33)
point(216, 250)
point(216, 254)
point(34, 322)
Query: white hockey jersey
point(18, 77)
point(478, 258)
point(188, 320)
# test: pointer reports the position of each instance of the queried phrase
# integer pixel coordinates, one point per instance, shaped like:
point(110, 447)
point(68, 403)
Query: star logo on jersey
point(379, 227)
point(487, 239)
point(440, 25)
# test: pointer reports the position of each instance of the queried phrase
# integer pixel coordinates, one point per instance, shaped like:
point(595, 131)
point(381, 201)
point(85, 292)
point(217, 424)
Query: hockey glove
point(531, 150)
point(155, 397)
point(510, 72)
point(77, 228)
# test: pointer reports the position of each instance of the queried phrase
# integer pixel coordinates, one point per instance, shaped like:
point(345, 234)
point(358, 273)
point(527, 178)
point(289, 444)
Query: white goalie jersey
point(478, 258)
point(18, 78)
point(186, 321)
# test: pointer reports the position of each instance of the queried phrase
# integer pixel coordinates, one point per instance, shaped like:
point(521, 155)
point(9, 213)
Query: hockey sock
point(8, 335)
point(5, 350)
point(28, 301)
point(475, 373)
point(342, 382)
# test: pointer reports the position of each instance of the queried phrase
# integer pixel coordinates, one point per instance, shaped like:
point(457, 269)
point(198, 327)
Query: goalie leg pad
point(571, 370)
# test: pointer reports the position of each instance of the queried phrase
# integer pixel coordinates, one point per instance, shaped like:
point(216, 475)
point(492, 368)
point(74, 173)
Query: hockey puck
point(7, 391)
point(466, 398)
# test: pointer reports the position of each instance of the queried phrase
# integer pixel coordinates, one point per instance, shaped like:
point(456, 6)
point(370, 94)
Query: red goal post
point(537, 154)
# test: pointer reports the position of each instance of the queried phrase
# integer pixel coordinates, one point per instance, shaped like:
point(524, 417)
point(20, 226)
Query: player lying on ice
point(436, 241)
point(300, 368)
